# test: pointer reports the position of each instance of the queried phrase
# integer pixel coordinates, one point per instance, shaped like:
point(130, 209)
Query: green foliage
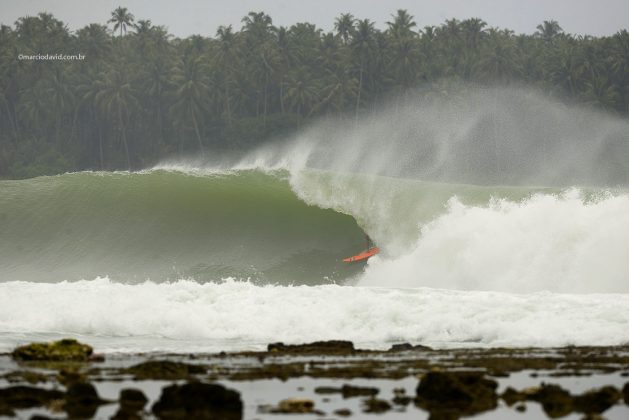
point(141, 95)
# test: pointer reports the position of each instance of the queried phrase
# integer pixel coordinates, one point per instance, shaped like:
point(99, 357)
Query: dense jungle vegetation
point(141, 94)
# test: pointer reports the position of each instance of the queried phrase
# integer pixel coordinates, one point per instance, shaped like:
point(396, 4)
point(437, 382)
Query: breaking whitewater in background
point(503, 220)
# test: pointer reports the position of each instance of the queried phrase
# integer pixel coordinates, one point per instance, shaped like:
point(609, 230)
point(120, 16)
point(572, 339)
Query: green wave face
point(165, 225)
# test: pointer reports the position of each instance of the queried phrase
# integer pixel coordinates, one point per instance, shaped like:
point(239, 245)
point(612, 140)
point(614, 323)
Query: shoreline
point(330, 379)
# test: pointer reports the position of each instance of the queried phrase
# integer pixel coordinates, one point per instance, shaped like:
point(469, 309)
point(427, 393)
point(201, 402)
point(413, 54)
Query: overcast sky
point(186, 17)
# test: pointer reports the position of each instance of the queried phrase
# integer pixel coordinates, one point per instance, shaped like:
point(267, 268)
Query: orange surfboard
point(363, 255)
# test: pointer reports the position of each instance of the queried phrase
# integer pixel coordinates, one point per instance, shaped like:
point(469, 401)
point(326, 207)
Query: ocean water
point(503, 220)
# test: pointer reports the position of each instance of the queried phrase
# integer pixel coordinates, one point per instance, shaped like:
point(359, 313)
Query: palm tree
point(404, 49)
point(363, 43)
point(474, 32)
point(548, 30)
point(116, 100)
point(620, 63)
point(344, 26)
point(226, 58)
point(402, 24)
point(121, 18)
point(191, 93)
point(302, 91)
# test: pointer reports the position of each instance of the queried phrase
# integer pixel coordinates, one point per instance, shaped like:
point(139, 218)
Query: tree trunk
point(124, 138)
point(196, 129)
point(360, 87)
point(100, 147)
point(10, 117)
point(266, 84)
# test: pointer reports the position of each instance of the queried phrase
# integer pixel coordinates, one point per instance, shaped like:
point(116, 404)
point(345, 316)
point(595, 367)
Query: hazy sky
point(186, 17)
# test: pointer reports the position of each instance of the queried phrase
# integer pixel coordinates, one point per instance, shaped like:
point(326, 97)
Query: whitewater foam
point(237, 315)
point(562, 243)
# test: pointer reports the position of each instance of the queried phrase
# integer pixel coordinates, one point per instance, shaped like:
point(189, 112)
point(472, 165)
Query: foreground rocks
point(456, 394)
point(447, 384)
point(64, 350)
point(198, 401)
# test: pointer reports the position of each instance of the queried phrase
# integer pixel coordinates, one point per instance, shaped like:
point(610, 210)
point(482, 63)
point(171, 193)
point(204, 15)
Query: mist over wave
point(492, 189)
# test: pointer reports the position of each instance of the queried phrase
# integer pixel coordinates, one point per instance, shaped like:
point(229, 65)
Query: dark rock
point(25, 376)
point(97, 358)
point(164, 370)
point(67, 349)
point(295, 405)
point(132, 399)
point(350, 391)
point(373, 405)
point(456, 393)
point(521, 408)
point(343, 412)
point(69, 376)
point(556, 401)
point(408, 347)
point(318, 347)
point(19, 397)
point(625, 393)
point(400, 397)
point(511, 396)
point(596, 401)
point(198, 400)
point(327, 390)
point(82, 400)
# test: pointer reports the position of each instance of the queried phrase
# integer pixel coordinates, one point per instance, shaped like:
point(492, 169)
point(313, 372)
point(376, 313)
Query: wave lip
point(239, 315)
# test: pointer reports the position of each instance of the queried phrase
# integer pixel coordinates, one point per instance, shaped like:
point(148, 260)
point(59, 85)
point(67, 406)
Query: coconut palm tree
point(344, 26)
point(116, 100)
point(191, 91)
point(363, 45)
point(122, 19)
point(549, 30)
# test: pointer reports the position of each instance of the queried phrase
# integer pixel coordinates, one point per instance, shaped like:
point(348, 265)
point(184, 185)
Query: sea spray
point(183, 316)
point(563, 243)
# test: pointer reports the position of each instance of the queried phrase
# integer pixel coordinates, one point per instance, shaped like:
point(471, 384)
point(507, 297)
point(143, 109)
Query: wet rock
point(327, 390)
point(456, 393)
point(400, 397)
point(295, 405)
point(511, 396)
point(343, 412)
point(408, 347)
point(31, 377)
point(67, 349)
point(82, 400)
point(97, 358)
point(556, 401)
point(350, 391)
point(69, 376)
point(20, 397)
point(318, 347)
point(596, 401)
point(373, 405)
point(164, 370)
point(132, 401)
point(521, 408)
point(198, 400)
point(625, 393)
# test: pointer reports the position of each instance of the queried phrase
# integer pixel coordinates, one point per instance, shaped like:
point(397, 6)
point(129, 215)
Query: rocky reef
point(62, 379)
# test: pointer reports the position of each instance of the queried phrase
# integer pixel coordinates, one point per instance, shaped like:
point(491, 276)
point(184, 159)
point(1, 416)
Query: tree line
point(141, 94)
